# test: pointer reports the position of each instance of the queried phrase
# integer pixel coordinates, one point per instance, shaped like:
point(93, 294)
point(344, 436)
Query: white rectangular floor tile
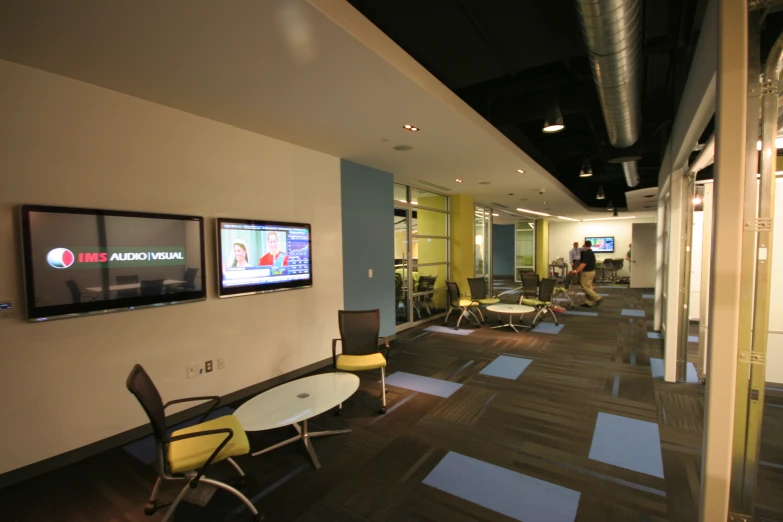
point(548, 328)
point(586, 314)
point(602, 295)
point(506, 367)
point(628, 443)
point(693, 338)
point(656, 367)
point(504, 491)
point(632, 313)
point(428, 385)
point(648, 296)
point(448, 330)
point(654, 335)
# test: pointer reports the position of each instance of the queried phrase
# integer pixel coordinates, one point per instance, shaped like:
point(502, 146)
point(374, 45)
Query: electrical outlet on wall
point(208, 366)
point(193, 371)
point(221, 364)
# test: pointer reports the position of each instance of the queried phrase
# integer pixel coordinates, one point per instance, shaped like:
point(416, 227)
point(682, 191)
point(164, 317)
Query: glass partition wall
point(483, 248)
point(524, 248)
point(421, 254)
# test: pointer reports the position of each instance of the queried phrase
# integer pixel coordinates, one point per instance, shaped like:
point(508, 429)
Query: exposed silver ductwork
point(612, 30)
point(631, 173)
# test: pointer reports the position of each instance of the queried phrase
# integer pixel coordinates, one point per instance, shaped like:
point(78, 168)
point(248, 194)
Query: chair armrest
point(194, 483)
point(386, 347)
point(334, 352)
point(193, 399)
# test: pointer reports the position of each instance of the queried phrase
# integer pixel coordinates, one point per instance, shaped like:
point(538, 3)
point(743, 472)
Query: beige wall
point(68, 143)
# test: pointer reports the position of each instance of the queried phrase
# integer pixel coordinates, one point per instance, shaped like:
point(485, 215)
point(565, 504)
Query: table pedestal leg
point(304, 435)
point(510, 323)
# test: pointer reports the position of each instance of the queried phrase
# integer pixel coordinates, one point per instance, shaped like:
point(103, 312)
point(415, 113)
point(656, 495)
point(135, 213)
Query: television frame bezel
point(244, 290)
point(56, 312)
point(602, 251)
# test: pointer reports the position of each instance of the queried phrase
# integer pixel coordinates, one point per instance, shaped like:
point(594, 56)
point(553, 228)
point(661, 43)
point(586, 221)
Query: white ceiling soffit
point(321, 77)
point(642, 200)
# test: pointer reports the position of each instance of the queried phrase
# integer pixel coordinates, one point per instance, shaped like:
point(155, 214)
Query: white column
point(677, 207)
point(724, 316)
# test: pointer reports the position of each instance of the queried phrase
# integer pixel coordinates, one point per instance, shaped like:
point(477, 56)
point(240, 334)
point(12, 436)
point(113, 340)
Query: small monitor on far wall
point(603, 244)
point(262, 256)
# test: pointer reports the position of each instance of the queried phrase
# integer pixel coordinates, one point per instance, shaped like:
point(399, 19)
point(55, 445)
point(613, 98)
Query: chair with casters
point(152, 287)
point(463, 304)
point(128, 280)
point(187, 453)
point(359, 336)
point(562, 289)
point(478, 294)
point(77, 295)
point(543, 302)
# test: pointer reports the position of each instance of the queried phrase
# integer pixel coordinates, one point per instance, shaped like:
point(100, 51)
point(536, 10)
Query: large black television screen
point(262, 256)
point(602, 244)
point(81, 261)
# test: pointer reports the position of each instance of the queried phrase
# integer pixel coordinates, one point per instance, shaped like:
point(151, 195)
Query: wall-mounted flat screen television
point(80, 261)
point(602, 244)
point(262, 256)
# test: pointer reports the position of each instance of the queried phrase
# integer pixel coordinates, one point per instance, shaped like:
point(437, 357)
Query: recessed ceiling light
point(458, 180)
point(410, 128)
point(496, 215)
point(520, 171)
point(697, 200)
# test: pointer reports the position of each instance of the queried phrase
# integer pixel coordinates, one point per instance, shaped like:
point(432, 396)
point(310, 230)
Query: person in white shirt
point(574, 257)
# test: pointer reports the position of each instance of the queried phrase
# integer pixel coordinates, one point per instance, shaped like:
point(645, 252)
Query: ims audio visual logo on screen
point(116, 257)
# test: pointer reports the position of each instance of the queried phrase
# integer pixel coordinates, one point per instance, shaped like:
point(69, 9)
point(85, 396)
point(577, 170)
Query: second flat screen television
point(602, 244)
point(262, 256)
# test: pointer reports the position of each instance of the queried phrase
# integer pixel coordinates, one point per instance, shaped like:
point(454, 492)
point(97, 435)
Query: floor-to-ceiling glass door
point(524, 247)
point(483, 248)
point(421, 254)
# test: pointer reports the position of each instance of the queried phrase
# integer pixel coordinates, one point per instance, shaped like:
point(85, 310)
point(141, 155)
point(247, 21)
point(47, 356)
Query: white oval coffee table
point(295, 402)
point(511, 310)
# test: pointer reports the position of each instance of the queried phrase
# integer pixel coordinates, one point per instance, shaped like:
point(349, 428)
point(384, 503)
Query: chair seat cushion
point(561, 289)
point(467, 302)
point(531, 302)
point(357, 363)
point(190, 454)
point(488, 300)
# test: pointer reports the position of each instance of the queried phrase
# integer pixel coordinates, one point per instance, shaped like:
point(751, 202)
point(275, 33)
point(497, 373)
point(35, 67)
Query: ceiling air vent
point(498, 205)
point(433, 185)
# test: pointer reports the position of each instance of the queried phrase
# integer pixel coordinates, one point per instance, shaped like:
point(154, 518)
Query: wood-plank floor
point(540, 424)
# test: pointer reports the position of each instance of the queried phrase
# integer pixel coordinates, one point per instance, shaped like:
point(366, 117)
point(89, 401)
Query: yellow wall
point(542, 248)
point(462, 240)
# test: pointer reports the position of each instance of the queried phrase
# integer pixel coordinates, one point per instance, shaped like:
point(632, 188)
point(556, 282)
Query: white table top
point(296, 401)
point(510, 309)
point(132, 286)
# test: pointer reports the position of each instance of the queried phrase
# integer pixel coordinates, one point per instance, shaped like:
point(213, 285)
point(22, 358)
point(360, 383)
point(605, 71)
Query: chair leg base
point(382, 411)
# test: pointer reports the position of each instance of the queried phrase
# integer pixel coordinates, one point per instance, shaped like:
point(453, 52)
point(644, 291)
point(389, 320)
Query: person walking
point(586, 269)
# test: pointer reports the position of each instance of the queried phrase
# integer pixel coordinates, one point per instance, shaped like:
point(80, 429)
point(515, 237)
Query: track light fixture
point(553, 122)
point(600, 194)
point(610, 206)
point(586, 171)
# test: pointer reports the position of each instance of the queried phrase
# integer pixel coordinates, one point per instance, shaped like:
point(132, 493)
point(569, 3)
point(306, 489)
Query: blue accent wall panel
point(503, 250)
point(368, 240)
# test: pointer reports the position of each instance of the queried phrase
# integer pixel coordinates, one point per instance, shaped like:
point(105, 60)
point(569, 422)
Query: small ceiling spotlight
point(697, 200)
point(586, 171)
point(554, 119)
point(600, 194)
point(610, 206)
point(520, 171)
point(458, 180)
point(410, 128)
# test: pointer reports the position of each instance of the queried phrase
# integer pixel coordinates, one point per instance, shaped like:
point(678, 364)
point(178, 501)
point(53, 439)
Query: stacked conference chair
point(543, 302)
point(463, 304)
point(561, 291)
point(186, 454)
point(359, 336)
point(478, 294)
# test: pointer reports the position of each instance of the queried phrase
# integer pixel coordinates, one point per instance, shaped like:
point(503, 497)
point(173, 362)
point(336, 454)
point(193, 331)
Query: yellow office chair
point(187, 453)
point(359, 336)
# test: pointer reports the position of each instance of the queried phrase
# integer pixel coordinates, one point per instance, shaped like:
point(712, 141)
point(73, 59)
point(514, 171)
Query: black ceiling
point(509, 59)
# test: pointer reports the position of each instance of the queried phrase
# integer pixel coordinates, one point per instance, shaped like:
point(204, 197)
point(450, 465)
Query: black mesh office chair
point(427, 284)
point(189, 284)
point(530, 284)
point(478, 294)
point(562, 289)
point(187, 453)
point(77, 296)
point(128, 280)
point(463, 304)
point(544, 300)
point(152, 287)
point(359, 336)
